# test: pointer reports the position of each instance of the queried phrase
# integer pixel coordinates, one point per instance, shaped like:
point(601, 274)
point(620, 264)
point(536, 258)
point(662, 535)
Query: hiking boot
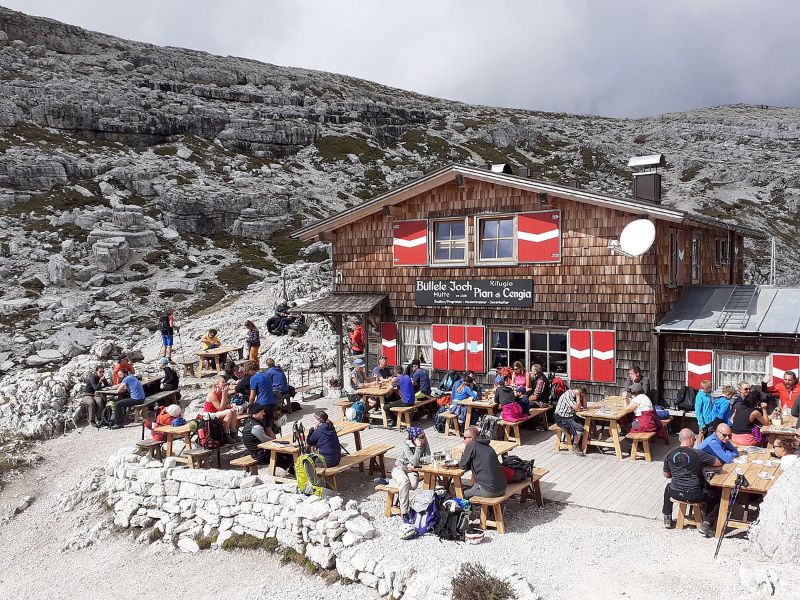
point(115, 426)
point(705, 529)
point(577, 451)
point(229, 439)
point(668, 521)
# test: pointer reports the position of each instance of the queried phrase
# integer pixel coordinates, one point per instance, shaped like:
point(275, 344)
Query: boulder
point(111, 254)
point(181, 286)
point(59, 271)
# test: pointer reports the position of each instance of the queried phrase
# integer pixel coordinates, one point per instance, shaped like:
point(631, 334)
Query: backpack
point(162, 418)
point(512, 413)
point(446, 384)
point(107, 415)
point(488, 426)
point(557, 387)
point(685, 400)
point(520, 469)
point(452, 525)
point(163, 324)
point(439, 421)
point(210, 434)
point(356, 412)
point(305, 470)
point(423, 513)
point(443, 400)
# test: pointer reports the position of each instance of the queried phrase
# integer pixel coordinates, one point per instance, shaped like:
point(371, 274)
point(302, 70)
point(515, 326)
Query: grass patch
point(141, 292)
point(690, 173)
point(249, 542)
point(235, 277)
point(155, 535)
point(285, 248)
point(473, 582)
point(432, 147)
point(640, 139)
point(205, 542)
point(337, 147)
point(210, 295)
point(31, 135)
point(494, 155)
point(138, 267)
point(167, 150)
point(57, 199)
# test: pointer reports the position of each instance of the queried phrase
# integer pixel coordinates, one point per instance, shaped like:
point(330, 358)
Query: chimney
point(647, 182)
point(501, 168)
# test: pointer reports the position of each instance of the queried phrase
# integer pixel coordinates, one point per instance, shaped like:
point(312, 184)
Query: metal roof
point(444, 175)
point(342, 304)
point(651, 160)
point(774, 311)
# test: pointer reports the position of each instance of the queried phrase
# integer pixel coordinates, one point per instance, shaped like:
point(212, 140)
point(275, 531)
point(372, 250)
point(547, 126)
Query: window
point(547, 348)
point(722, 253)
point(449, 241)
point(496, 239)
point(733, 367)
point(415, 341)
point(697, 268)
point(507, 347)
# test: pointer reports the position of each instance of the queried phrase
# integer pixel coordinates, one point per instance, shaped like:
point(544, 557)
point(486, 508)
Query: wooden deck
point(597, 481)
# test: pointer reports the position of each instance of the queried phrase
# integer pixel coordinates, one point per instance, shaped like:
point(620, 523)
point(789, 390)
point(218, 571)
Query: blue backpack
point(356, 411)
point(423, 514)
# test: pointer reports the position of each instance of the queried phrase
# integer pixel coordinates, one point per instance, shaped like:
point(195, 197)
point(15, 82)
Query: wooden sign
point(512, 293)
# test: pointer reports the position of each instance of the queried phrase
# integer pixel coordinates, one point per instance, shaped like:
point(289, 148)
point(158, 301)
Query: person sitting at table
point(539, 387)
point(257, 429)
point(476, 387)
point(479, 457)
point(252, 341)
point(283, 316)
point(210, 340)
point(636, 383)
point(166, 415)
point(519, 376)
point(404, 475)
point(644, 417)
point(243, 383)
point(122, 368)
point(136, 396)
point(230, 371)
point(788, 391)
point(521, 398)
point(92, 399)
point(510, 407)
point(719, 444)
point(747, 419)
point(404, 388)
point(218, 403)
point(261, 390)
point(744, 388)
point(571, 402)
point(786, 450)
point(169, 381)
point(421, 380)
point(324, 438)
point(703, 405)
point(357, 380)
point(683, 466)
point(280, 385)
point(382, 370)
point(462, 390)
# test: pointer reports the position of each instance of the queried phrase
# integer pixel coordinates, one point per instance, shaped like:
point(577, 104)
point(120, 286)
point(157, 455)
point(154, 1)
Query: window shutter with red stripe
point(698, 367)
point(580, 350)
point(389, 342)
point(603, 359)
point(457, 352)
point(539, 236)
point(440, 347)
point(410, 242)
point(475, 338)
point(782, 363)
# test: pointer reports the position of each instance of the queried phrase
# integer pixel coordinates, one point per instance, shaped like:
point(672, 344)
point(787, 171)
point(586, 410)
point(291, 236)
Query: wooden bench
point(665, 423)
point(496, 504)
point(644, 438)
point(689, 513)
point(374, 454)
point(391, 493)
point(189, 365)
point(247, 463)
point(155, 449)
point(197, 458)
point(450, 417)
point(559, 432)
point(511, 429)
point(344, 405)
point(159, 398)
point(404, 412)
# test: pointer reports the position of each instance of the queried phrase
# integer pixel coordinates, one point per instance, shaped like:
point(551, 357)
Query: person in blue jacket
point(462, 390)
point(703, 407)
point(722, 408)
point(325, 439)
point(719, 444)
point(404, 390)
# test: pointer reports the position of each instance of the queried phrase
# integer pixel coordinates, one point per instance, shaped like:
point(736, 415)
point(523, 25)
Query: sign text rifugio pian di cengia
point(513, 293)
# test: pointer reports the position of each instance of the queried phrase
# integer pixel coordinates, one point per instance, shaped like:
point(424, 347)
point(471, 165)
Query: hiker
point(636, 383)
point(218, 403)
point(170, 379)
point(788, 392)
point(382, 370)
point(510, 408)
point(167, 327)
point(280, 385)
point(261, 390)
point(571, 402)
point(243, 384)
point(479, 457)
point(521, 398)
point(683, 466)
point(476, 387)
point(210, 340)
point(421, 380)
point(519, 377)
point(122, 368)
point(325, 439)
point(283, 317)
point(744, 388)
point(136, 396)
point(166, 416)
point(230, 371)
point(719, 444)
point(703, 406)
point(358, 379)
point(722, 408)
point(786, 450)
point(404, 473)
point(257, 429)
point(92, 399)
point(747, 420)
point(405, 390)
point(462, 390)
point(645, 418)
point(539, 386)
point(252, 341)
point(357, 338)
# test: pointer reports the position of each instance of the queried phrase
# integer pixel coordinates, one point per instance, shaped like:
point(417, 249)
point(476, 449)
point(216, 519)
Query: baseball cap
point(358, 362)
point(163, 360)
point(255, 408)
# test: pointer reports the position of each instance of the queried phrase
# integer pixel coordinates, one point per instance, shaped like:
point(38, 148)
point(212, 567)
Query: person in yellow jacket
point(210, 340)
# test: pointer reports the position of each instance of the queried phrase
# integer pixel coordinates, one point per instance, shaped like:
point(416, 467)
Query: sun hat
point(173, 410)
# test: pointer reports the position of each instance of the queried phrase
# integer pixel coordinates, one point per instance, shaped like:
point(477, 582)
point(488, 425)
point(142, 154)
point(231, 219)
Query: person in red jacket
point(788, 392)
point(357, 338)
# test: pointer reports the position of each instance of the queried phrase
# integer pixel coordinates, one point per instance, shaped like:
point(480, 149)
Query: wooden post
point(365, 323)
point(339, 350)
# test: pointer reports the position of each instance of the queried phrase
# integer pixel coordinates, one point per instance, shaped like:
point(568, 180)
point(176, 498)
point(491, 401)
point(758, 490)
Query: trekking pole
point(741, 481)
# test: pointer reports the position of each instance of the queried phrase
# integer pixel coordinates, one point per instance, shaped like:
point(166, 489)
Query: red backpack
point(210, 434)
point(557, 387)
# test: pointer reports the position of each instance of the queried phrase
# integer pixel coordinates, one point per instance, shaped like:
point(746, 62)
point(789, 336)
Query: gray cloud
point(612, 57)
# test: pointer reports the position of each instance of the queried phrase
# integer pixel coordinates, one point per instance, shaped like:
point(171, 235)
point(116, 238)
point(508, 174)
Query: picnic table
point(610, 411)
point(285, 445)
point(488, 405)
point(430, 473)
point(172, 432)
point(726, 479)
point(149, 384)
point(218, 355)
point(380, 392)
point(773, 432)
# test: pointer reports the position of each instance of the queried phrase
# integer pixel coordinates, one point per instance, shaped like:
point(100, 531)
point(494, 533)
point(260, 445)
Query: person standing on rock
point(253, 342)
point(136, 396)
point(92, 399)
point(168, 327)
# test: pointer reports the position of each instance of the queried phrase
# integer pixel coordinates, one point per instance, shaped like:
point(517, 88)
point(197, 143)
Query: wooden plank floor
point(598, 480)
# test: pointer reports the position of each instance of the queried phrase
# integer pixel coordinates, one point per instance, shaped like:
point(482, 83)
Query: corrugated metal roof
point(342, 304)
point(774, 311)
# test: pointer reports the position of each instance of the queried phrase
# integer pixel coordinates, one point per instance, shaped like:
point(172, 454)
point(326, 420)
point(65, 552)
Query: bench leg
point(634, 449)
point(544, 418)
point(332, 481)
point(517, 435)
point(499, 522)
point(646, 444)
point(558, 441)
point(484, 516)
point(382, 465)
point(537, 493)
point(681, 520)
point(446, 427)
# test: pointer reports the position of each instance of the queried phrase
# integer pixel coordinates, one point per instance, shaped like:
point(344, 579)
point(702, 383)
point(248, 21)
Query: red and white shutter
point(389, 342)
point(475, 337)
point(410, 242)
point(603, 357)
point(698, 367)
point(580, 351)
point(539, 236)
point(782, 363)
point(440, 347)
point(457, 348)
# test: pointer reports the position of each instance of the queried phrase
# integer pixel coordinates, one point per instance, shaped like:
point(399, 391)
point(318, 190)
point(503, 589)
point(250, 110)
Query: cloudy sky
point(621, 58)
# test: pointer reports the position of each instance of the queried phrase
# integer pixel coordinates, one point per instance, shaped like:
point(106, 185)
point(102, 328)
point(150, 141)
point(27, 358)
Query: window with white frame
point(733, 367)
point(496, 239)
point(508, 346)
point(546, 348)
point(449, 241)
point(416, 342)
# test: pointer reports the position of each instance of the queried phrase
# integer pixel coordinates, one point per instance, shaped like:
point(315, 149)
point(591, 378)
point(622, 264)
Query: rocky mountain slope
point(132, 176)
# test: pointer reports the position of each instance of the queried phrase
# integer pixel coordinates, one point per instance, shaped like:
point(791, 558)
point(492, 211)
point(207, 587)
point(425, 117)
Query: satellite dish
point(635, 239)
